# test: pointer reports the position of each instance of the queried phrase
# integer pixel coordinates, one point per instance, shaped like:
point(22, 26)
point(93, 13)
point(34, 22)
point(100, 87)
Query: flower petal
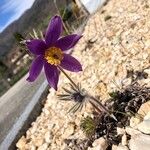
point(54, 30)
point(35, 68)
point(36, 46)
point(67, 42)
point(70, 63)
point(52, 75)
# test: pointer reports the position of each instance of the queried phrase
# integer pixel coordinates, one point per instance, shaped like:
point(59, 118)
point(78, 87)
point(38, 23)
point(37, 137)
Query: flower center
point(53, 55)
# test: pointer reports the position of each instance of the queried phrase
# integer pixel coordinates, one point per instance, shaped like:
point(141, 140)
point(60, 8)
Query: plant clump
point(88, 125)
point(123, 104)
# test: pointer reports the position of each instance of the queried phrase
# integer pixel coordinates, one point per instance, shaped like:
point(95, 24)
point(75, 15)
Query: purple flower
point(50, 53)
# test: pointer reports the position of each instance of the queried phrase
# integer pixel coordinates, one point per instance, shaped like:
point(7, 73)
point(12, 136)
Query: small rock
point(134, 121)
point(144, 109)
point(94, 148)
point(33, 130)
point(132, 131)
point(77, 121)
point(99, 144)
point(114, 147)
point(145, 125)
point(48, 137)
point(120, 131)
point(69, 130)
point(119, 147)
point(43, 147)
point(21, 143)
point(139, 142)
point(46, 112)
point(147, 117)
point(32, 147)
point(38, 141)
point(124, 140)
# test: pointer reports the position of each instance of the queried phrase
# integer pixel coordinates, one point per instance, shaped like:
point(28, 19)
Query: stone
point(32, 147)
point(119, 147)
point(99, 144)
point(134, 121)
point(48, 137)
point(21, 143)
point(120, 130)
point(45, 111)
point(144, 126)
point(34, 129)
point(139, 142)
point(144, 109)
point(132, 131)
point(147, 117)
point(43, 147)
point(68, 131)
point(38, 141)
point(124, 140)
point(114, 147)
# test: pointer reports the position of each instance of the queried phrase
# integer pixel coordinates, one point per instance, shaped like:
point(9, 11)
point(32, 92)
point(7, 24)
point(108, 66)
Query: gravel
point(109, 49)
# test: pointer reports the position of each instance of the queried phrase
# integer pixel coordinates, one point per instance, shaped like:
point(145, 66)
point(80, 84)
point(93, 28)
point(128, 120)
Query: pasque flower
point(50, 53)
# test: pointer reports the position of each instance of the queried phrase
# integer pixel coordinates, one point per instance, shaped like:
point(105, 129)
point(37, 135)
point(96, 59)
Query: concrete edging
point(23, 117)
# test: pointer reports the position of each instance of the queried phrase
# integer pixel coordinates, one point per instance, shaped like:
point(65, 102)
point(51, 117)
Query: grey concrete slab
point(14, 102)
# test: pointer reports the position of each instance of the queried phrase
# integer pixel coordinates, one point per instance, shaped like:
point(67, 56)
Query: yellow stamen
point(54, 56)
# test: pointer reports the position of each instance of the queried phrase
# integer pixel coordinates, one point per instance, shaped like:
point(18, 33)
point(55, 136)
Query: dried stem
point(97, 101)
point(94, 106)
point(102, 106)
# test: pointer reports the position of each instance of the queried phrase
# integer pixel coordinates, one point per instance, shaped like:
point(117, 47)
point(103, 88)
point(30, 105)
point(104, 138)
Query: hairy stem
point(73, 83)
point(92, 100)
